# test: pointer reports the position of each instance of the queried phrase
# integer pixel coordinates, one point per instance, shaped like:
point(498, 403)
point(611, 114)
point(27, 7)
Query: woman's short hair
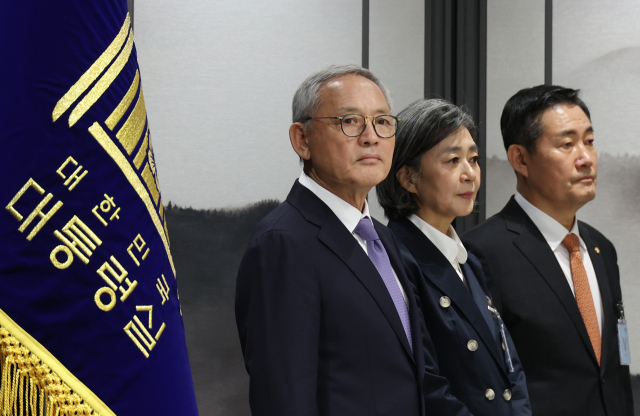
point(424, 124)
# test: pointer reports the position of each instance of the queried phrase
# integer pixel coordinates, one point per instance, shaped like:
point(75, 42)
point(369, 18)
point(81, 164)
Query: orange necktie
point(583, 293)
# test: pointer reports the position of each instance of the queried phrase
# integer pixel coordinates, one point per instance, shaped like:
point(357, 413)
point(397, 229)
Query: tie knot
point(571, 242)
point(365, 230)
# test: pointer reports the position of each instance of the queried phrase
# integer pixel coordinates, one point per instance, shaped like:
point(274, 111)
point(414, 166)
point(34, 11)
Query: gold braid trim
point(34, 383)
point(29, 387)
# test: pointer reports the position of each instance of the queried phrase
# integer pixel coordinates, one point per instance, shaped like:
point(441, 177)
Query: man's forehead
point(339, 81)
point(346, 93)
point(334, 82)
point(566, 116)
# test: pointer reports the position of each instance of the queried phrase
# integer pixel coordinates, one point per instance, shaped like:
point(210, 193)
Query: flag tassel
point(28, 387)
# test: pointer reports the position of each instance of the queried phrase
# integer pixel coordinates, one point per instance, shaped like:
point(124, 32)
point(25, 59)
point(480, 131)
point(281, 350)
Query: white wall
point(515, 60)
point(218, 81)
point(596, 47)
point(396, 55)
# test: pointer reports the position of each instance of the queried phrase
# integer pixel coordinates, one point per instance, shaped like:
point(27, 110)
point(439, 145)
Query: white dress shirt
point(554, 232)
point(348, 215)
point(451, 247)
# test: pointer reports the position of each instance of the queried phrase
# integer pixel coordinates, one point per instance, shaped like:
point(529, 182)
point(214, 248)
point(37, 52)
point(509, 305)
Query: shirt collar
point(349, 215)
point(450, 247)
point(552, 231)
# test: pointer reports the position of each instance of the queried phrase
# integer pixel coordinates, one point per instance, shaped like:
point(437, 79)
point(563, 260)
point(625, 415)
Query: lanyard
point(503, 335)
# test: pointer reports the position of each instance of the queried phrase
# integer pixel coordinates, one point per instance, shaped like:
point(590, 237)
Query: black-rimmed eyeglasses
point(353, 125)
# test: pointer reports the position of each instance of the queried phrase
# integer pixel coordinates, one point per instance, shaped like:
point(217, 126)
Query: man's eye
point(350, 120)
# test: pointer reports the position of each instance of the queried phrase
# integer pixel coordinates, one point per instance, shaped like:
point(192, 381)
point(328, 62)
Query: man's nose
point(369, 134)
point(586, 156)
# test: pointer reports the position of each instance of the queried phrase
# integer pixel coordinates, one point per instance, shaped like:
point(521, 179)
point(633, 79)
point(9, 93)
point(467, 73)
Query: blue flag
point(90, 320)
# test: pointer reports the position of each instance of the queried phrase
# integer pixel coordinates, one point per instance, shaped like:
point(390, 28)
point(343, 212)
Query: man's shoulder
point(489, 229)
point(285, 218)
point(284, 231)
point(511, 218)
point(594, 234)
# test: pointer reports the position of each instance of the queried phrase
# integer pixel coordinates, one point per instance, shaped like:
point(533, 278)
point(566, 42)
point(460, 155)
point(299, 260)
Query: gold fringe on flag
point(28, 387)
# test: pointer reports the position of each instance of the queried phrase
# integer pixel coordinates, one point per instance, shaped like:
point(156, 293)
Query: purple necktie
point(380, 259)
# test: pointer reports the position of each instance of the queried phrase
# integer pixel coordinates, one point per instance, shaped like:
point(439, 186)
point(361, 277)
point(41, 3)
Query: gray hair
point(424, 124)
point(306, 100)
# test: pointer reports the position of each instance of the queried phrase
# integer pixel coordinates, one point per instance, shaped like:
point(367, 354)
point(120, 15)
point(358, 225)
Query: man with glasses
point(327, 319)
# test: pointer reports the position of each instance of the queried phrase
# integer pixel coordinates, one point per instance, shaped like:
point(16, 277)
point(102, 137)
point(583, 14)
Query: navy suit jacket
point(454, 325)
point(319, 332)
point(541, 312)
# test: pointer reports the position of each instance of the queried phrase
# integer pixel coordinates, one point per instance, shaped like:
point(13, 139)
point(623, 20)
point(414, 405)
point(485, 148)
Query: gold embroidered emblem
point(142, 176)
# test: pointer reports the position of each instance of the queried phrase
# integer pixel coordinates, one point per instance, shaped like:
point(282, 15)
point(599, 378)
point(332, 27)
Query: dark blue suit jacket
point(319, 332)
point(451, 327)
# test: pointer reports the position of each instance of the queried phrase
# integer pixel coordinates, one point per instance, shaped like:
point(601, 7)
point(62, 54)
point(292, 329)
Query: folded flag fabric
point(90, 319)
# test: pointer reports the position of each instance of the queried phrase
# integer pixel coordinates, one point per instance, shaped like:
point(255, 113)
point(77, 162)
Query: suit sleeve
point(519, 393)
point(437, 395)
point(278, 318)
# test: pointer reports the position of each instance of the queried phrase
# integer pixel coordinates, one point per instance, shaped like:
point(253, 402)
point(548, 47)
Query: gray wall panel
point(396, 55)
point(218, 79)
point(515, 60)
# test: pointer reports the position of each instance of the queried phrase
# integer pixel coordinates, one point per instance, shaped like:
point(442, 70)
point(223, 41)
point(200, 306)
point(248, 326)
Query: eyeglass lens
point(354, 124)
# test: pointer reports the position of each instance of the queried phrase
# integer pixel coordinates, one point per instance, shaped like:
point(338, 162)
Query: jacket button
point(506, 395)
point(472, 345)
point(503, 346)
point(445, 302)
point(490, 394)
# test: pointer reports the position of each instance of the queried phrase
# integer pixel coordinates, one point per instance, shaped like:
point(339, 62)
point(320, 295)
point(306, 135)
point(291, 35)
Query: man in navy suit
point(327, 319)
point(555, 279)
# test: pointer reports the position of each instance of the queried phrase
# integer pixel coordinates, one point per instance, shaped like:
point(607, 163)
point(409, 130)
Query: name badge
point(623, 342)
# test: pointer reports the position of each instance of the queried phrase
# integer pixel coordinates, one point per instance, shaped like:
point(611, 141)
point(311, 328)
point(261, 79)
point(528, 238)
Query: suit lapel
point(437, 269)
point(341, 242)
point(536, 249)
point(608, 320)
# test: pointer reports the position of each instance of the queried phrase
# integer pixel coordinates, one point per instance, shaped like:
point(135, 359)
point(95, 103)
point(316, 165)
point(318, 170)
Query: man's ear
point(518, 157)
point(299, 142)
point(407, 177)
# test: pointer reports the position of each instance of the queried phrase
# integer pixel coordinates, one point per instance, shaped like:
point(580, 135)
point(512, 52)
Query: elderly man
point(327, 319)
point(555, 279)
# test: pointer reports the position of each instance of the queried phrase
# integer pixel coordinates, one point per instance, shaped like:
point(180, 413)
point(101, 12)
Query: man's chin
point(372, 177)
point(587, 195)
